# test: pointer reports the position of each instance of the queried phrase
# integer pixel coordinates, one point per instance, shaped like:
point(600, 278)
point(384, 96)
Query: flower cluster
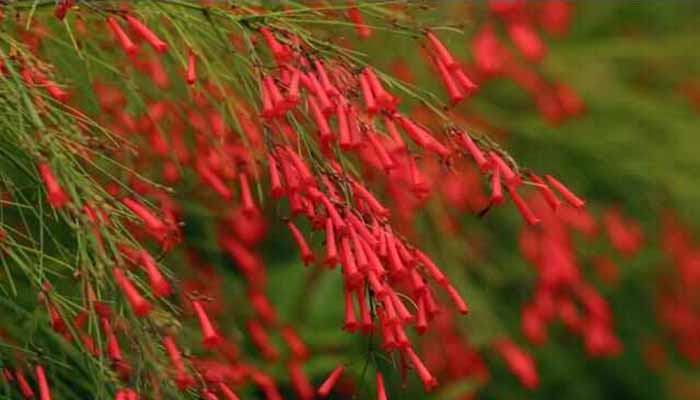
point(323, 134)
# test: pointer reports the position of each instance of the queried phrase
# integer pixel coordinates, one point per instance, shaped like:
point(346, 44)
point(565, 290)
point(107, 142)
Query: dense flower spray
point(328, 141)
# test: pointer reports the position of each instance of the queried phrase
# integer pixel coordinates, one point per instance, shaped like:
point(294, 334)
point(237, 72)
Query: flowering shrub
point(198, 198)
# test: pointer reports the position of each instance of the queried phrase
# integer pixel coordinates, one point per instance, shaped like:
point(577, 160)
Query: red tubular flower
point(421, 317)
point(56, 321)
point(279, 51)
point(324, 80)
point(453, 91)
point(44, 390)
point(247, 261)
point(7, 375)
point(367, 325)
point(262, 341)
point(457, 299)
point(386, 100)
point(261, 304)
point(212, 180)
point(300, 381)
point(496, 189)
point(569, 100)
point(124, 41)
point(279, 104)
point(475, 152)
point(114, 351)
point(395, 135)
point(367, 95)
point(130, 394)
point(395, 264)
point(183, 380)
point(361, 229)
point(324, 131)
point(382, 250)
point(432, 269)
point(350, 320)
point(404, 315)
point(555, 16)
point(344, 139)
point(159, 285)
point(429, 381)
point(147, 35)
point(380, 151)
point(227, 392)
point(325, 389)
point(467, 84)
point(490, 56)
point(374, 204)
point(355, 132)
point(522, 207)
point(331, 211)
point(511, 178)
point(387, 332)
point(305, 80)
point(207, 395)
point(331, 247)
point(352, 277)
point(422, 137)
point(191, 68)
point(210, 336)
point(520, 363)
point(569, 196)
point(54, 193)
point(526, 40)
point(307, 256)
point(139, 305)
point(276, 187)
point(546, 192)
point(306, 176)
point(268, 108)
point(533, 325)
point(360, 255)
point(293, 96)
point(381, 390)
point(361, 28)
point(123, 394)
point(442, 52)
point(249, 207)
point(62, 8)
point(294, 342)
point(24, 387)
point(323, 101)
point(153, 223)
point(56, 92)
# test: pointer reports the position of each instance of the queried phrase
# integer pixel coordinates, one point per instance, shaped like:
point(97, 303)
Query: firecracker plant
point(192, 189)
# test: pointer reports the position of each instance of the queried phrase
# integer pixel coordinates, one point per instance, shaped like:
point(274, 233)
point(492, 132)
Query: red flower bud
point(159, 285)
point(307, 256)
point(148, 35)
point(442, 52)
point(325, 389)
point(569, 196)
point(522, 207)
point(381, 390)
point(210, 337)
point(124, 41)
point(54, 193)
point(139, 305)
point(227, 392)
point(44, 390)
point(191, 68)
